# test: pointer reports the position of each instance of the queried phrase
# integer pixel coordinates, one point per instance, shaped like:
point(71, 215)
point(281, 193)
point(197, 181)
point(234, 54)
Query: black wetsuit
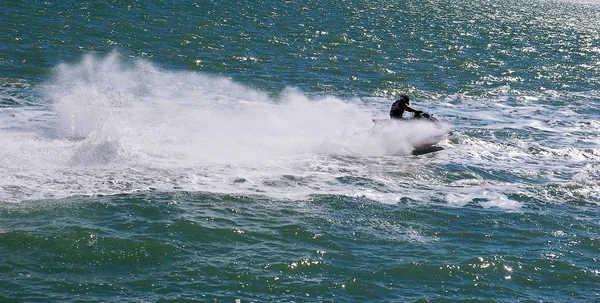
point(398, 109)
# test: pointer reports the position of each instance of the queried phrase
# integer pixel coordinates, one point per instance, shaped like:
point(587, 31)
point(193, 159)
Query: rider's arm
point(412, 110)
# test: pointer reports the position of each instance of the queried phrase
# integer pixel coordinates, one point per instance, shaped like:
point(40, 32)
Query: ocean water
point(214, 151)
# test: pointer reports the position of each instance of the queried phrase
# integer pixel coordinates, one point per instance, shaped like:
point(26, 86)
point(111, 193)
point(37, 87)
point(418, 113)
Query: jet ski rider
point(400, 105)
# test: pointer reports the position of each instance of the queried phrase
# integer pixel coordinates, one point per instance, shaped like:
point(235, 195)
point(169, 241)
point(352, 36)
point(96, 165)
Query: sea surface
point(225, 151)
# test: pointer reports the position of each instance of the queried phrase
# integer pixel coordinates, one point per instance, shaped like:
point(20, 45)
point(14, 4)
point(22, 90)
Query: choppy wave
point(241, 163)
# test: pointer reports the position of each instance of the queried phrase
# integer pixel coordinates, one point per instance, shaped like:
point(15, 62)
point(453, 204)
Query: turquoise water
point(225, 152)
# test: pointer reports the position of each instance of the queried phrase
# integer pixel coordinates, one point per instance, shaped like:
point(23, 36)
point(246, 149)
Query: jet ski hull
point(422, 142)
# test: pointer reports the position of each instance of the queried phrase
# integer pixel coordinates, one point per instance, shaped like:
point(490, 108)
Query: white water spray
point(116, 125)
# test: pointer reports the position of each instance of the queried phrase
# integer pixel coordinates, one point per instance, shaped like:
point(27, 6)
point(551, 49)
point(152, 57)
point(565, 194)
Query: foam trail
point(118, 126)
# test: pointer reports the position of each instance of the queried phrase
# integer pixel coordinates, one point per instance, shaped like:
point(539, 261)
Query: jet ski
point(423, 130)
point(420, 116)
